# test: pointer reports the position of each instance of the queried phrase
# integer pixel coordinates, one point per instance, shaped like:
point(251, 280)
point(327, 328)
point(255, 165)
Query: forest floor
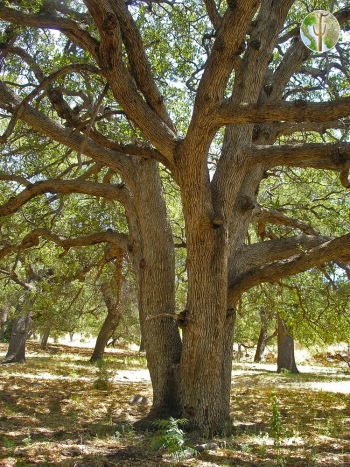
point(53, 414)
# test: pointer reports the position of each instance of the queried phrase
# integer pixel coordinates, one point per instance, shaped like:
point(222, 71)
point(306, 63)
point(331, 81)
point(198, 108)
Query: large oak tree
point(126, 86)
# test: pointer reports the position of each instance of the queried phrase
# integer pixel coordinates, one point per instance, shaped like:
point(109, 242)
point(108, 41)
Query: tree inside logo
point(320, 31)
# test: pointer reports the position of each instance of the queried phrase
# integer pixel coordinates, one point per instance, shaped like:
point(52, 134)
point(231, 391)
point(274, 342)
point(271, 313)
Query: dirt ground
point(59, 410)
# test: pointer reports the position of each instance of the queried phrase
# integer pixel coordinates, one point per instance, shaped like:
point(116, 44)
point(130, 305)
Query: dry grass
point(50, 414)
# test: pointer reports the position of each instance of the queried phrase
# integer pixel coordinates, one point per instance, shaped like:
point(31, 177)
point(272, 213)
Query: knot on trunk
point(255, 44)
point(230, 313)
point(110, 22)
point(182, 318)
point(245, 203)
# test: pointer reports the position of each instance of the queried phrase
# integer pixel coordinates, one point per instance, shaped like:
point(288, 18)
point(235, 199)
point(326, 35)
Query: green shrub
point(169, 437)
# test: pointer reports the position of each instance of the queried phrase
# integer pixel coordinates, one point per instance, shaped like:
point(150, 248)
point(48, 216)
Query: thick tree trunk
point(142, 347)
point(16, 350)
point(285, 357)
point(45, 337)
point(205, 369)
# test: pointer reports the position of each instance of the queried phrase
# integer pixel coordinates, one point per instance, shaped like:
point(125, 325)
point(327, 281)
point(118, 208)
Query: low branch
point(33, 238)
point(271, 336)
point(335, 248)
point(276, 217)
point(104, 190)
point(260, 253)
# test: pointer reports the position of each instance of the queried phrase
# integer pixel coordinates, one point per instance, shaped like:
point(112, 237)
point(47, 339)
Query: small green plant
point(262, 450)
point(276, 426)
point(277, 430)
point(102, 381)
point(170, 437)
point(28, 440)
point(73, 373)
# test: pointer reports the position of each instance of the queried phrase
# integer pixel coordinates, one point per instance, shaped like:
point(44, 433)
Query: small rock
point(139, 400)
point(199, 448)
point(71, 452)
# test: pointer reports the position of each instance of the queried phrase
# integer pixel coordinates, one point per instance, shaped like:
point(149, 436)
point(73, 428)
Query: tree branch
point(258, 254)
point(287, 129)
point(218, 68)
point(15, 178)
point(335, 248)
point(138, 60)
point(276, 217)
point(295, 111)
point(213, 13)
point(332, 156)
point(104, 190)
point(123, 84)
point(119, 162)
point(47, 21)
point(44, 83)
point(32, 239)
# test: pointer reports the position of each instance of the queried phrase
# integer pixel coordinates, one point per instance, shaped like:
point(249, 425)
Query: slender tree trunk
point(111, 322)
point(16, 350)
point(285, 357)
point(239, 352)
point(109, 326)
point(71, 335)
point(142, 347)
point(262, 343)
point(153, 258)
point(4, 322)
point(45, 337)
